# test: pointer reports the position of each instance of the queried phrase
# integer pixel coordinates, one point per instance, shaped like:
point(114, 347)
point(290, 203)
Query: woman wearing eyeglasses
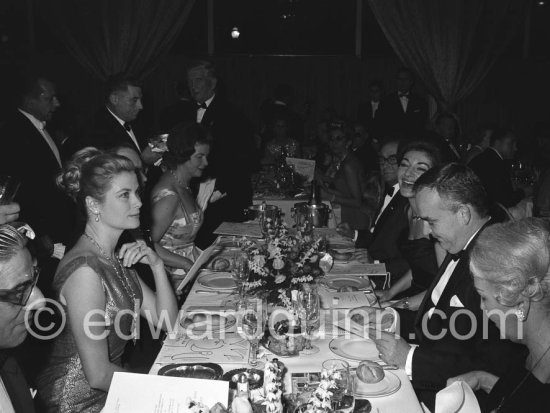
point(100, 293)
point(344, 181)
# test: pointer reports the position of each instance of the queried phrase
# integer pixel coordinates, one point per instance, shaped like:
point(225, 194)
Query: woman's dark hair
point(343, 126)
point(431, 150)
point(90, 172)
point(181, 143)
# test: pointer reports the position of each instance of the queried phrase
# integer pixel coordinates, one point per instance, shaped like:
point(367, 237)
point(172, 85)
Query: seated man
point(18, 292)
point(390, 220)
point(495, 174)
point(449, 326)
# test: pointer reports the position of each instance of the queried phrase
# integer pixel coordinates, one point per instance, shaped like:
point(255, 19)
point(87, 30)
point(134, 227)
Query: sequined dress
point(62, 386)
point(180, 236)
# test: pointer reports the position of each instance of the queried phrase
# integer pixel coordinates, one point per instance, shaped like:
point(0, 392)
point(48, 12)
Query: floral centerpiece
point(321, 398)
point(285, 262)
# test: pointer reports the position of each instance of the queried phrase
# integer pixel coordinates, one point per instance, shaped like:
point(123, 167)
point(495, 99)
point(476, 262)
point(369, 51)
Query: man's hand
point(393, 349)
point(477, 380)
point(344, 230)
point(9, 213)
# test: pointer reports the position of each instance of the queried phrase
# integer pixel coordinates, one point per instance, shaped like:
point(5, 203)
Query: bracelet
point(405, 305)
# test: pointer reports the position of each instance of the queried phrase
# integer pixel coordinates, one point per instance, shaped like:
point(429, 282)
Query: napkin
point(456, 398)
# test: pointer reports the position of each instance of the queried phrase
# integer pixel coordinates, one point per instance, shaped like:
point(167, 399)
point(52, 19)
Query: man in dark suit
point(367, 112)
point(362, 147)
point(232, 158)
point(453, 336)
point(493, 171)
point(390, 219)
point(184, 109)
point(403, 113)
point(30, 154)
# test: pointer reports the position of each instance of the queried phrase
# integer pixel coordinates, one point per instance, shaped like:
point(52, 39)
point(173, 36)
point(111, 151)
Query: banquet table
point(201, 297)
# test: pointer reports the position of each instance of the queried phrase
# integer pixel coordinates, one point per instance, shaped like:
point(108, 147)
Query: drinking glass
point(312, 318)
point(343, 400)
point(8, 188)
point(239, 272)
point(254, 315)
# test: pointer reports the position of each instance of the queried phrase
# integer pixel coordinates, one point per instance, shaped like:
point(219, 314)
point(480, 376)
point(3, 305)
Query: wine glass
point(312, 318)
point(253, 318)
point(239, 272)
point(343, 400)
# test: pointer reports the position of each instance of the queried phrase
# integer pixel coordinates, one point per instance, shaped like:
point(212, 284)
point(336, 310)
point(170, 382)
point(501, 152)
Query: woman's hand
point(477, 380)
point(345, 230)
point(139, 251)
point(384, 295)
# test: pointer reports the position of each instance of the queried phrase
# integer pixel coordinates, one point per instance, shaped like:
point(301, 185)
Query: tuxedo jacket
point(382, 242)
point(440, 354)
point(368, 157)
point(395, 122)
point(495, 175)
point(16, 386)
point(232, 160)
point(179, 112)
point(107, 132)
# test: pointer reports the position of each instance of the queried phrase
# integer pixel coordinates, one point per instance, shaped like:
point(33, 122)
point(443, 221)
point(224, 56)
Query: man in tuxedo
point(453, 336)
point(232, 158)
point(30, 154)
point(367, 112)
point(390, 221)
point(403, 113)
point(493, 171)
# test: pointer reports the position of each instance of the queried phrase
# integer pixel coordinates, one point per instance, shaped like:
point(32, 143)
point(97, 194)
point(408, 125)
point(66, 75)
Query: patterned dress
point(62, 386)
point(180, 236)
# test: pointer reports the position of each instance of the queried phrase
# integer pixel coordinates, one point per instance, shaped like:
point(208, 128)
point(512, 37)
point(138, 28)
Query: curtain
point(117, 36)
point(450, 44)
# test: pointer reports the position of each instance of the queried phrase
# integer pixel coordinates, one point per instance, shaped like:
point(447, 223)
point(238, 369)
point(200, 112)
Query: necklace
point(505, 398)
point(178, 181)
point(123, 278)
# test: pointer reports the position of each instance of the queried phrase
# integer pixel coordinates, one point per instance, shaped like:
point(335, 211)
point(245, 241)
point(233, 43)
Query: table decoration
point(209, 371)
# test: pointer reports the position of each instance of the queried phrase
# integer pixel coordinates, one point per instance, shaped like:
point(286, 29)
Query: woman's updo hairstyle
point(181, 143)
point(515, 258)
point(424, 146)
point(90, 172)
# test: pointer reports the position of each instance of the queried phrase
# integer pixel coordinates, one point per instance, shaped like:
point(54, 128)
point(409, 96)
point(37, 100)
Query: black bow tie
point(202, 105)
point(389, 190)
point(457, 256)
point(127, 126)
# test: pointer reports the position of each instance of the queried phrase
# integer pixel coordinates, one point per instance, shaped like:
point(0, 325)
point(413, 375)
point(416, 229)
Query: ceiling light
point(235, 33)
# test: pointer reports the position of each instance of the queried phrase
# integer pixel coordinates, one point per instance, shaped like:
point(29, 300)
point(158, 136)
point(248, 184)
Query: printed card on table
point(142, 393)
point(305, 167)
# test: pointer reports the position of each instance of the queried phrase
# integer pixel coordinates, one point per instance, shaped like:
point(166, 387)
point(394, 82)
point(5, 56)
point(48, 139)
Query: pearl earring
point(520, 314)
point(97, 217)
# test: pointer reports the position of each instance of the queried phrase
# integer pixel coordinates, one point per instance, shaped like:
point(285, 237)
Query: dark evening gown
point(531, 396)
point(62, 386)
point(420, 254)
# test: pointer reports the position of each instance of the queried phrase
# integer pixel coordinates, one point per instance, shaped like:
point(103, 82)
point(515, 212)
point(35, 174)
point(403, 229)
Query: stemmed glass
point(343, 400)
point(312, 317)
point(253, 318)
point(239, 272)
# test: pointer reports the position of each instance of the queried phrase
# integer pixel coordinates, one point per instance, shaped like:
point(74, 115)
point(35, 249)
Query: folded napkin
point(456, 398)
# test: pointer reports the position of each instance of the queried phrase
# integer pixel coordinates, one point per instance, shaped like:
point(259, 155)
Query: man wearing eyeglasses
point(18, 293)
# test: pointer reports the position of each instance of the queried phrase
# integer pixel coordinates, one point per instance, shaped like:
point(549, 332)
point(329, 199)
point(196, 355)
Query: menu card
point(225, 349)
point(243, 229)
point(143, 393)
point(305, 167)
point(357, 268)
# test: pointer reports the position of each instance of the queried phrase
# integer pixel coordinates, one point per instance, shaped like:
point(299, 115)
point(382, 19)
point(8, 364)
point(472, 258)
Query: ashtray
point(209, 371)
point(255, 378)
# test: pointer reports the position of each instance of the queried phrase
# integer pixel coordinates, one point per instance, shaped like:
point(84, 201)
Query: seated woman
point(278, 142)
point(510, 263)
point(176, 215)
point(415, 158)
point(100, 294)
point(344, 181)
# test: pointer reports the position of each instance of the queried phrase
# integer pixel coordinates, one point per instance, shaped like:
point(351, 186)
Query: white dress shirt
point(200, 111)
point(387, 200)
point(404, 102)
point(129, 132)
point(374, 108)
point(41, 126)
point(5, 402)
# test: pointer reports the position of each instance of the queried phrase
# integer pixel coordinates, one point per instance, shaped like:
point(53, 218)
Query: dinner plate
point(354, 348)
point(217, 281)
point(338, 281)
point(255, 378)
point(202, 322)
point(388, 385)
point(209, 371)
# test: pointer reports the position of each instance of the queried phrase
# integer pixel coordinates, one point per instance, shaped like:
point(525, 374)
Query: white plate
point(217, 281)
point(354, 348)
point(211, 322)
point(338, 281)
point(388, 385)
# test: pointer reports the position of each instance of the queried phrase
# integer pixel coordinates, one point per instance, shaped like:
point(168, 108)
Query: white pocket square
point(455, 302)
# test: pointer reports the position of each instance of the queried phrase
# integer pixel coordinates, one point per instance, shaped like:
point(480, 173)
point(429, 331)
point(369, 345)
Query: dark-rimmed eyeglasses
point(20, 294)
point(391, 160)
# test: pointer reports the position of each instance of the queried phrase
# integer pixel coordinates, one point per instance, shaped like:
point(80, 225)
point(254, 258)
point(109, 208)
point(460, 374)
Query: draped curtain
point(117, 36)
point(450, 44)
